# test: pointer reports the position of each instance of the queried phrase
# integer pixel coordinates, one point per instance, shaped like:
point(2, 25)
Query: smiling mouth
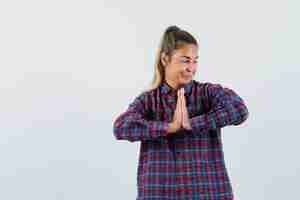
point(187, 77)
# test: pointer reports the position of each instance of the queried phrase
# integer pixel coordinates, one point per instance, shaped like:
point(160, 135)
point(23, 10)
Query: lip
point(187, 76)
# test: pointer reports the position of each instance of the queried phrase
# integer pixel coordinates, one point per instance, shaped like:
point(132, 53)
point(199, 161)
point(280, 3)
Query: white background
point(69, 68)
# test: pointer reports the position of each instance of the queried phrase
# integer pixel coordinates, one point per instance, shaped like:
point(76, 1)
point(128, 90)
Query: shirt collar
point(167, 89)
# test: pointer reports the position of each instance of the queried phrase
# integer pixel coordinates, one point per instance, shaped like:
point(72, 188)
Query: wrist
point(171, 128)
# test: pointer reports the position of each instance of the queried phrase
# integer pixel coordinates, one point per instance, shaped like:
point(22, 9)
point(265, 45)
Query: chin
point(185, 81)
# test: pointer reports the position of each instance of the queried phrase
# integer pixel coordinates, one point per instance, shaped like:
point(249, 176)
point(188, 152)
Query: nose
point(191, 67)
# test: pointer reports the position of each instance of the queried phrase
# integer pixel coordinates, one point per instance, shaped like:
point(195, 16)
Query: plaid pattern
point(186, 165)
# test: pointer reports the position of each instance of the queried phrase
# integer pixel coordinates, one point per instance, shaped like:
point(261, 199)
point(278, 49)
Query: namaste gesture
point(181, 117)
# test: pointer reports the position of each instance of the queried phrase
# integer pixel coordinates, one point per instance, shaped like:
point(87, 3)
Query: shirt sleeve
point(227, 108)
point(132, 125)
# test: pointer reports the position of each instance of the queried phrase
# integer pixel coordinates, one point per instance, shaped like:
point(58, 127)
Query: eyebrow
point(190, 57)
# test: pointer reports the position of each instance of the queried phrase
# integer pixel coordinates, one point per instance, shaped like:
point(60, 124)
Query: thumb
point(182, 106)
point(178, 108)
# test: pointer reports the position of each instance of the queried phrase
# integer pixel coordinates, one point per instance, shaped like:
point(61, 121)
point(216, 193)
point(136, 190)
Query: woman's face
point(182, 67)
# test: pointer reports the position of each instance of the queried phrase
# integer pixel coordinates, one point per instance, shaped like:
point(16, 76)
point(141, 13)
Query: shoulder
point(212, 89)
point(144, 98)
point(206, 84)
point(206, 87)
point(150, 93)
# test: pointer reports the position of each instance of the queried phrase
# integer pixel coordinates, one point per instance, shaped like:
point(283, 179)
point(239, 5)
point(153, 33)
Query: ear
point(164, 58)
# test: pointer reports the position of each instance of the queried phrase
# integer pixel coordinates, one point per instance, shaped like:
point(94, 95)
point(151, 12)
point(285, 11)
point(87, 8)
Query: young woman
point(178, 123)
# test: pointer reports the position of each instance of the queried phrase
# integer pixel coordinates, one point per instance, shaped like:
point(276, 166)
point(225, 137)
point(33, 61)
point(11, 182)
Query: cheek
point(174, 74)
point(181, 68)
point(195, 67)
point(177, 71)
point(180, 73)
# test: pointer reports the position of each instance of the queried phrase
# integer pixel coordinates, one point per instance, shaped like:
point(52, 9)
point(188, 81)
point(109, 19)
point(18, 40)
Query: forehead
point(187, 51)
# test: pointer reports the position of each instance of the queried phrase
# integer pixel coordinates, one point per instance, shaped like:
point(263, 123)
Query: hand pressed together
point(181, 116)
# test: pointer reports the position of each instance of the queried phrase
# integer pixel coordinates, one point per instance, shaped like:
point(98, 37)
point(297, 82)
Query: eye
point(187, 61)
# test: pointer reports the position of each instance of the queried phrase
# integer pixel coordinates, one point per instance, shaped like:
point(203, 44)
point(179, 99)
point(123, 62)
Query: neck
point(172, 84)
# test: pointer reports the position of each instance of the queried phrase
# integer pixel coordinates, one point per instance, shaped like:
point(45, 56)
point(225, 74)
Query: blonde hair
point(173, 38)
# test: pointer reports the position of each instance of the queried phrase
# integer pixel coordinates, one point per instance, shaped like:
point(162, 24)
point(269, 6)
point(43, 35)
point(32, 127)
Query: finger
point(178, 110)
point(182, 106)
point(180, 98)
point(183, 111)
point(185, 116)
point(179, 106)
point(183, 99)
point(179, 115)
point(181, 95)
